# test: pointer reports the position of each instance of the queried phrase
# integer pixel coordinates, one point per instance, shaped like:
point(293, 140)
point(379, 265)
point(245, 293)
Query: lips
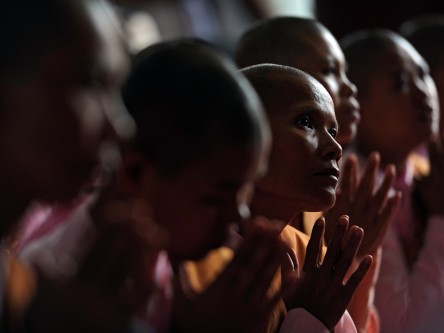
point(351, 111)
point(329, 173)
point(426, 112)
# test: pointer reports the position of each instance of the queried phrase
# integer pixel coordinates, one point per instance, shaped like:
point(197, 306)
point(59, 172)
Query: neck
point(274, 207)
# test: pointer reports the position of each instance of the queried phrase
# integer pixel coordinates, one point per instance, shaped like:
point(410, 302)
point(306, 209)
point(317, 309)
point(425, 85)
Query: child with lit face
point(307, 45)
point(303, 169)
point(398, 106)
point(303, 176)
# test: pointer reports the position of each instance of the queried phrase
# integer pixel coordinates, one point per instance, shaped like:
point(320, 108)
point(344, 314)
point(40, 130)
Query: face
point(399, 109)
point(61, 117)
point(438, 78)
point(325, 61)
point(198, 205)
point(303, 166)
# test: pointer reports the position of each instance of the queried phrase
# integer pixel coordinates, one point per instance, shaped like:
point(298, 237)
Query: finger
point(348, 253)
point(356, 278)
point(289, 268)
point(366, 187)
point(388, 212)
point(314, 245)
point(334, 248)
point(348, 179)
point(381, 194)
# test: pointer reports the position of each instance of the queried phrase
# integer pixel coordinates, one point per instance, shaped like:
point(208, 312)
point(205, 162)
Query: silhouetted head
point(204, 140)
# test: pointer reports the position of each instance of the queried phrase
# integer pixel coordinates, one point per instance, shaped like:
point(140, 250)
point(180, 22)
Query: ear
point(137, 174)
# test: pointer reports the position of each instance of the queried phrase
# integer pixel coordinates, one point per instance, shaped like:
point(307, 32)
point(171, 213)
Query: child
point(303, 174)
point(61, 119)
point(307, 45)
point(397, 98)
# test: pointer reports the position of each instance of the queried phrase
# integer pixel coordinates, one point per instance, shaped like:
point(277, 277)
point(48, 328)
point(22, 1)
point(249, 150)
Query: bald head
point(277, 40)
point(279, 86)
point(187, 100)
point(364, 50)
point(426, 34)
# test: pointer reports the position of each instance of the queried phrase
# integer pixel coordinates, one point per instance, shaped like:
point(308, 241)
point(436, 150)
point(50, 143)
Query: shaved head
point(277, 40)
point(426, 34)
point(277, 85)
point(363, 50)
point(187, 100)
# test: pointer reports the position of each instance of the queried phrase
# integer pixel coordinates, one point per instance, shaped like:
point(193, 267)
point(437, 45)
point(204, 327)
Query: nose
point(238, 209)
point(119, 127)
point(330, 148)
point(348, 89)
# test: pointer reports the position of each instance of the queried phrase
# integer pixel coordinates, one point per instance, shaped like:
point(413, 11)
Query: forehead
point(307, 94)
point(320, 42)
point(399, 55)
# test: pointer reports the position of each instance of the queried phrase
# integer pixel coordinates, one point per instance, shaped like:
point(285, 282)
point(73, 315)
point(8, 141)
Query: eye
point(402, 83)
point(304, 121)
point(333, 132)
point(330, 69)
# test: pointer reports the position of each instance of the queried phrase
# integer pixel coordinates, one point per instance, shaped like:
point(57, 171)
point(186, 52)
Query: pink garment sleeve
point(301, 321)
point(406, 298)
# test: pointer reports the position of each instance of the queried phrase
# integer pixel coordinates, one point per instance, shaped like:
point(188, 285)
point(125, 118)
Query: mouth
point(426, 112)
point(351, 111)
point(330, 174)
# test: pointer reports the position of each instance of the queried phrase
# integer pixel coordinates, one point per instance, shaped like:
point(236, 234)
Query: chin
point(323, 202)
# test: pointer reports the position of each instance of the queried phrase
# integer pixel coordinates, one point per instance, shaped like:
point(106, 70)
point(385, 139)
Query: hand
point(320, 289)
point(114, 280)
point(369, 207)
point(238, 300)
point(430, 186)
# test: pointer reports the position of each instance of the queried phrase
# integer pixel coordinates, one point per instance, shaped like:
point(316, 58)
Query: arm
point(406, 299)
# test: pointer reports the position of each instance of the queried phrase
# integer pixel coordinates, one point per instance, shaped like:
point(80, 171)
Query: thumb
point(289, 268)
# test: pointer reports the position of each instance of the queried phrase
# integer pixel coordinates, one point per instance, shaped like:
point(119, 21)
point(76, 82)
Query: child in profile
point(398, 108)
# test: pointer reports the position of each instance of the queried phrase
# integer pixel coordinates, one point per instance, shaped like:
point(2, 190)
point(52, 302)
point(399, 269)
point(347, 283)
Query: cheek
point(332, 86)
point(88, 110)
